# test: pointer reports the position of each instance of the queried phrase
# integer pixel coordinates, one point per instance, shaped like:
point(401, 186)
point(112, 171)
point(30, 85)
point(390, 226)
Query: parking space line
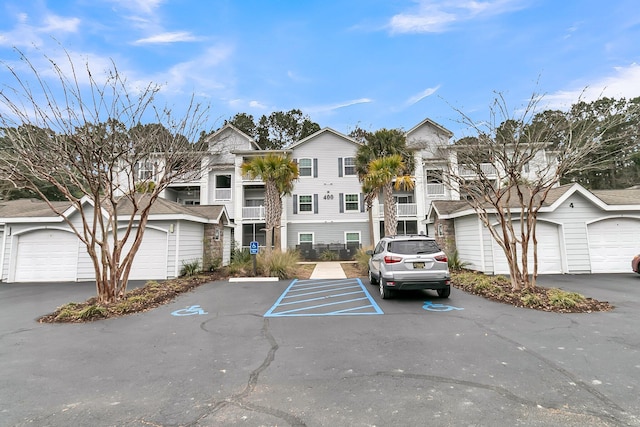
point(348, 297)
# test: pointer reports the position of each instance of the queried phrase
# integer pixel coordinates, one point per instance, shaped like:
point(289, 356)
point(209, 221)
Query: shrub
point(362, 258)
point(328, 255)
point(564, 299)
point(91, 312)
point(190, 268)
point(531, 300)
point(454, 261)
point(279, 264)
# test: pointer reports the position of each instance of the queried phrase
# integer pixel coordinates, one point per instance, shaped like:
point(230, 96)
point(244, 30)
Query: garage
point(613, 242)
point(549, 252)
point(46, 256)
point(150, 261)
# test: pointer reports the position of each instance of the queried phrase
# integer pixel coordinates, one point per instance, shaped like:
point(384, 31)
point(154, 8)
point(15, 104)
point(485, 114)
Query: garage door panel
point(612, 244)
point(549, 253)
point(46, 256)
point(150, 261)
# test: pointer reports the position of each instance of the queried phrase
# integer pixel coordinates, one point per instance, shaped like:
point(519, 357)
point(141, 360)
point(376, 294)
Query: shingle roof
point(30, 208)
point(629, 196)
point(34, 208)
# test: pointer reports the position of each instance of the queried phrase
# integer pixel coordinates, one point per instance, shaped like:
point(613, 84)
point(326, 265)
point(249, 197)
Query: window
point(305, 238)
point(305, 167)
point(145, 170)
point(349, 164)
point(352, 202)
point(223, 187)
point(352, 237)
point(305, 204)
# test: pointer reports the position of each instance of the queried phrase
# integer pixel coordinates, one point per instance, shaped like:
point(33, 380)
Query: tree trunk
point(271, 200)
point(390, 219)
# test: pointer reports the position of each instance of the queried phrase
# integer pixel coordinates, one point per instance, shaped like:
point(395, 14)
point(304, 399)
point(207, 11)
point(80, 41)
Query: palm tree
point(380, 177)
point(278, 173)
point(382, 143)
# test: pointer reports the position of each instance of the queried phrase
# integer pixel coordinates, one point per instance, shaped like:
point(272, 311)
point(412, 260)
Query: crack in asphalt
point(238, 398)
point(621, 416)
point(502, 392)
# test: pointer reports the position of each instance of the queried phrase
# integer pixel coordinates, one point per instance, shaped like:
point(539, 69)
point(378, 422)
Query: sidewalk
point(328, 270)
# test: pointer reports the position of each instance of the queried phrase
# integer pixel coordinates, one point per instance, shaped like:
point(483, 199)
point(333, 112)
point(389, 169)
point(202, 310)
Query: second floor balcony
point(253, 213)
point(403, 210)
point(471, 171)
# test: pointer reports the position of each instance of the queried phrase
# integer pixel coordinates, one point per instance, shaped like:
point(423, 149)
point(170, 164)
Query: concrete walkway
point(328, 270)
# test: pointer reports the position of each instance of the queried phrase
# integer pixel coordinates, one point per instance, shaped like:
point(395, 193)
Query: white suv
point(409, 263)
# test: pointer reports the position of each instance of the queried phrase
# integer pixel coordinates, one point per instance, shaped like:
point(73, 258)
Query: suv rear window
point(407, 247)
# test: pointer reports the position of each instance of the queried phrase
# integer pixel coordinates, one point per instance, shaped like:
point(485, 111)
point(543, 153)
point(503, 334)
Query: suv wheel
point(385, 293)
point(445, 292)
point(372, 279)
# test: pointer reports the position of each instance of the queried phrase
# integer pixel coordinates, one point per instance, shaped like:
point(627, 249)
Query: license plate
point(418, 265)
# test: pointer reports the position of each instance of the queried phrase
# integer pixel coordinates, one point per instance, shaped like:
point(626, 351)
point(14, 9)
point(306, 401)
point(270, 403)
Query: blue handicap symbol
point(189, 311)
point(428, 305)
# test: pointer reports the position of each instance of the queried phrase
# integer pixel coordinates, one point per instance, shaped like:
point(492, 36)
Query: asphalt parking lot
point(213, 357)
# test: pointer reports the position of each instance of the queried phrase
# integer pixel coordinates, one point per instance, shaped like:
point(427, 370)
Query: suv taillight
point(441, 258)
point(392, 259)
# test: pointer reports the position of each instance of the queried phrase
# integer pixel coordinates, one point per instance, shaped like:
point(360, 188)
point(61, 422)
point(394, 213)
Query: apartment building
point(326, 209)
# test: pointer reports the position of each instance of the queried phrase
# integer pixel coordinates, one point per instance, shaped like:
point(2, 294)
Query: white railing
point(253, 212)
point(247, 178)
point(486, 168)
point(403, 210)
point(435, 190)
point(193, 176)
point(222, 194)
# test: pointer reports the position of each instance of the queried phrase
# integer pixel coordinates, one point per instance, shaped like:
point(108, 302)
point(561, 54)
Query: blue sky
point(346, 63)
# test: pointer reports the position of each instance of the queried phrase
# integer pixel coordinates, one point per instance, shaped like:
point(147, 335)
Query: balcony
point(223, 194)
point(403, 210)
point(435, 190)
point(253, 213)
point(487, 169)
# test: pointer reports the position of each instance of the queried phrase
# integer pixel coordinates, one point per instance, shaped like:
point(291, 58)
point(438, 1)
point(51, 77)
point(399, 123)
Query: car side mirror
point(369, 252)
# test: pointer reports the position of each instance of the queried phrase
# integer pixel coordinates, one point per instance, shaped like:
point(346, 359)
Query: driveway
point(480, 363)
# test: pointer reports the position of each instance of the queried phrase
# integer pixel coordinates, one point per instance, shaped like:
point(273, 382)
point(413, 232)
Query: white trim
point(359, 233)
point(313, 236)
point(300, 176)
point(358, 203)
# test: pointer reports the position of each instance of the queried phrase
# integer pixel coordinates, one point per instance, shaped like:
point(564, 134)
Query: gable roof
point(607, 200)
point(34, 210)
point(231, 127)
point(430, 122)
point(320, 132)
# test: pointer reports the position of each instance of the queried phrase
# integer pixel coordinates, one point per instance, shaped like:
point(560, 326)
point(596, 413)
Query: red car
point(635, 264)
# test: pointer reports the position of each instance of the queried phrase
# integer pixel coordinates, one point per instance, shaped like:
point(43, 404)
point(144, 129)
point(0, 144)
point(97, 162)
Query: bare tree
point(511, 163)
point(84, 135)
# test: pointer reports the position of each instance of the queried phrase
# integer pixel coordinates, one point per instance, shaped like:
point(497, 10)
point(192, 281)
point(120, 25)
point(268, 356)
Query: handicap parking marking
point(323, 297)
point(431, 306)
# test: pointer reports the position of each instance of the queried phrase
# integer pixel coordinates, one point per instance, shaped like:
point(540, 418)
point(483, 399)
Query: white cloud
point(28, 34)
point(332, 107)
point(435, 16)
point(420, 96)
point(55, 23)
point(139, 6)
point(171, 37)
point(624, 82)
point(257, 104)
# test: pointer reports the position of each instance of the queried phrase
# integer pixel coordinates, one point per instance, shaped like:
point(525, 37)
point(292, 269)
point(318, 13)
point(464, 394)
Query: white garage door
point(612, 244)
point(150, 261)
point(549, 253)
point(46, 256)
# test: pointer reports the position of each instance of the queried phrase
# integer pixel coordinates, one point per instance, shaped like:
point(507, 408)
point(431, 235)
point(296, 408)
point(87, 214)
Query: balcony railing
point(253, 213)
point(486, 168)
point(222, 194)
point(434, 190)
point(403, 210)
point(193, 176)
